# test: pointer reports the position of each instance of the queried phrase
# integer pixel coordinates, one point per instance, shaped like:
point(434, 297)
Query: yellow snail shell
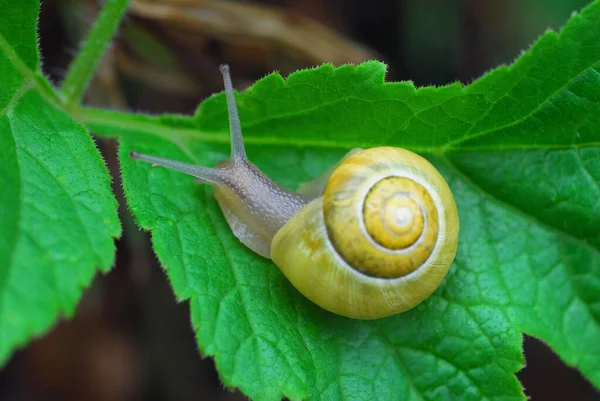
point(378, 242)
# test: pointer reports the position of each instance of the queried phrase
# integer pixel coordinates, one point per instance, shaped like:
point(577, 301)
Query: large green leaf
point(520, 148)
point(57, 212)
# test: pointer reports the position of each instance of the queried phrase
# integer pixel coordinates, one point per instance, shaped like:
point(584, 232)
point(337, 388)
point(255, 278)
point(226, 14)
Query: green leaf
point(58, 215)
point(520, 148)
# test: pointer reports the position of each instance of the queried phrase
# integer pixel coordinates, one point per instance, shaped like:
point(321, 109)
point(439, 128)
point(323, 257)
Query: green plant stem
point(111, 124)
point(119, 124)
point(85, 63)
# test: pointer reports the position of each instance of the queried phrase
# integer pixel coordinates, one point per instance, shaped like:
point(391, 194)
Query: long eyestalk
point(205, 174)
point(237, 142)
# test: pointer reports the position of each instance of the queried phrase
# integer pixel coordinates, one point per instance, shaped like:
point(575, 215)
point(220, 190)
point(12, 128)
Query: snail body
point(372, 237)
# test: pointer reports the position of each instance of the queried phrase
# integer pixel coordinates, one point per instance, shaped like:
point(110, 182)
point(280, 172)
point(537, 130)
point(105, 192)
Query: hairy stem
point(85, 63)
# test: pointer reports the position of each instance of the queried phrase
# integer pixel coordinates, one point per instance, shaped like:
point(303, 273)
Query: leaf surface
point(520, 148)
point(57, 211)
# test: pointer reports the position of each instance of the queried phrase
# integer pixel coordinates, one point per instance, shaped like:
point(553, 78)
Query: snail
point(372, 237)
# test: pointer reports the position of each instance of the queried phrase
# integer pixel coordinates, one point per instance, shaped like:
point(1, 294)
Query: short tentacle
point(204, 174)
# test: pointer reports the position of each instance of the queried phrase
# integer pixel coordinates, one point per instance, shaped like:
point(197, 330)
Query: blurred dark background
point(130, 340)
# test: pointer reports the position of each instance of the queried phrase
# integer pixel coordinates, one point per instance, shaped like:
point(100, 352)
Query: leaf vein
point(454, 144)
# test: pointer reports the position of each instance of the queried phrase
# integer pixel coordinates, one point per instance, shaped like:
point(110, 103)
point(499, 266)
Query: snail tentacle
point(238, 152)
point(203, 174)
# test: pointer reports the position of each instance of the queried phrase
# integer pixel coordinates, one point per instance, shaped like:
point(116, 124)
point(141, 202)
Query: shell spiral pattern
point(379, 214)
point(379, 241)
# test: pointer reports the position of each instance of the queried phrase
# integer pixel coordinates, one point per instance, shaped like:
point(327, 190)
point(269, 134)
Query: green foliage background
point(58, 214)
point(520, 148)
